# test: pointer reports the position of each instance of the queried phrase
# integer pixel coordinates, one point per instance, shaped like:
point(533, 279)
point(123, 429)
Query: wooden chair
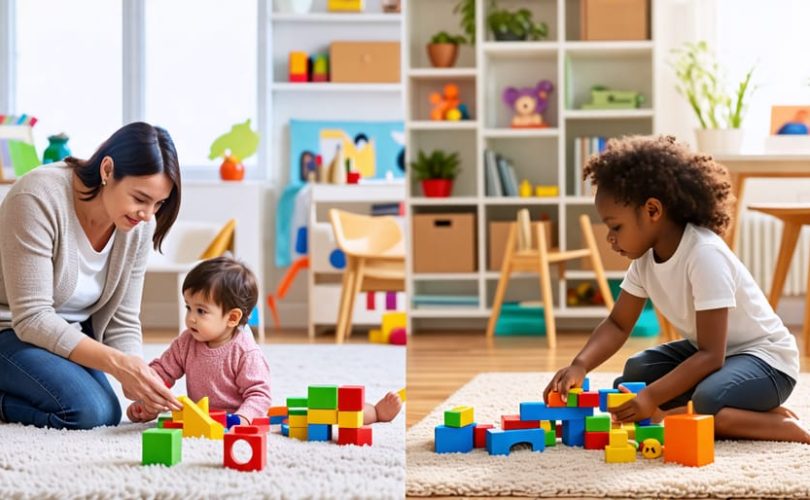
point(538, 258)
point(375, 260)
point(794, 216)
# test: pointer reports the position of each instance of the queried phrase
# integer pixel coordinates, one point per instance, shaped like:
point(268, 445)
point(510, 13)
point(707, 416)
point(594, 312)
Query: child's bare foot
point(797, 432)
point(787, 412)
point(388, 407)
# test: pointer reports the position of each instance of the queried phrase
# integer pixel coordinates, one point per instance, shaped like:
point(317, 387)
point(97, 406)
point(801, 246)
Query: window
point(200, 71)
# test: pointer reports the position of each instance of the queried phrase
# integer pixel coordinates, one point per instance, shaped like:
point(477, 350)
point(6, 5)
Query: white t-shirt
point(704, 274)
point(90, 280)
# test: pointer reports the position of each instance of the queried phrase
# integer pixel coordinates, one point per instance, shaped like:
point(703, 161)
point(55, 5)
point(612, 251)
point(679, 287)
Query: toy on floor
point(312, 418)
point(689, 438)
point(392, 330)
point(529, 104)
point(256, 438)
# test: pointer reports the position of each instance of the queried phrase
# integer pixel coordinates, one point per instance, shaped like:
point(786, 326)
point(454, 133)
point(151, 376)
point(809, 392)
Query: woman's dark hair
point(137, 149)
point(226, 282)
point(692, 186)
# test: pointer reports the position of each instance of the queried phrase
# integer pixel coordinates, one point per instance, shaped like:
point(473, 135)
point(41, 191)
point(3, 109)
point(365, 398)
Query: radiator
point(758, 248)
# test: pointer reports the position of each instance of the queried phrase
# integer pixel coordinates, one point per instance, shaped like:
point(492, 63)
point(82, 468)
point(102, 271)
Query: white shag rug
point(741, 468)
point(106, 462)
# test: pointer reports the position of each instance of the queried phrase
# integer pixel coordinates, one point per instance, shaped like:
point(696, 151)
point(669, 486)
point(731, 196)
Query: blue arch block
point(500, 442)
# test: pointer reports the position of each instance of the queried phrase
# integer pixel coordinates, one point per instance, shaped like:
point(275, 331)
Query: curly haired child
point(665, 208)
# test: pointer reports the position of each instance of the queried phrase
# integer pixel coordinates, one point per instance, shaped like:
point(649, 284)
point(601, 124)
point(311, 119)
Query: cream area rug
point(741, 469)
point(105, 462)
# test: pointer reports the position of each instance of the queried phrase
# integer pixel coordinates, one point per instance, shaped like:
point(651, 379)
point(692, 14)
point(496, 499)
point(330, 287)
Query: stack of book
point(427, 301)
point(387, 209)
point(500, 176)
point(584, 148)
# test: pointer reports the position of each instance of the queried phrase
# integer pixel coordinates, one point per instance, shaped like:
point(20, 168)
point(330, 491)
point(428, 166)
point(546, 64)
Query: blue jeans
point(745, 381)
point(38, 387)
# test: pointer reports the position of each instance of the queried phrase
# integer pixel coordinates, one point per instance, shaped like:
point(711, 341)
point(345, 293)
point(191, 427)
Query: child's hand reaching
point(137, 413)
point(564, 380)
point(638, 408)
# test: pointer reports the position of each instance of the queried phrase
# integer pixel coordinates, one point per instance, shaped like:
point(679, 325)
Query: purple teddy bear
point(528, 104)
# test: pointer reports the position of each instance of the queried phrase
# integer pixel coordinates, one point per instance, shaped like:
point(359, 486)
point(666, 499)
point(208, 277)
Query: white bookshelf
point(544, 156)
point(315, 303)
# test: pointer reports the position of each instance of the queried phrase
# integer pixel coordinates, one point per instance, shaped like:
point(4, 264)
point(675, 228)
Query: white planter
point(293, 6)
point(719, 141)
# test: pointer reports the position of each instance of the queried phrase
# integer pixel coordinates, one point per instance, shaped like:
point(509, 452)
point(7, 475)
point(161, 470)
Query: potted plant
point(719, 109)
point(443, 49)
point(516, 25)
point(467, 10)
point(436, 171)
point(234, 146)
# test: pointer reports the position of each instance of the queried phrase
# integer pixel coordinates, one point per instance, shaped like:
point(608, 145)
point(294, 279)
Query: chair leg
point(790, 235)
point(545, 286)
point(667, 330)
point(503, 282)
point(359, 270)
point(596, 260)
point(806, 324)
point(345, 292)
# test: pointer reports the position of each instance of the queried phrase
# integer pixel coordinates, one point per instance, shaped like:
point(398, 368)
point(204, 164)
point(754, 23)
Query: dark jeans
point(745, 381)
point(38, 387)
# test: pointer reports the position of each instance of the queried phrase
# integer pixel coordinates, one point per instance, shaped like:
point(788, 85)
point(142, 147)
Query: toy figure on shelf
point(447, 105)
point(605, 98)
point(529, 104)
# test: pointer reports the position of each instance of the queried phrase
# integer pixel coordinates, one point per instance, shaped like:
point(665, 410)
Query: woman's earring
point(103, 183)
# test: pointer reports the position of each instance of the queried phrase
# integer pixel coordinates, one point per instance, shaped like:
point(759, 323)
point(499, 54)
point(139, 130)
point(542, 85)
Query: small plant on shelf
point(436, 171)
point(516, 25)
point(443, 49)
point(467, 10)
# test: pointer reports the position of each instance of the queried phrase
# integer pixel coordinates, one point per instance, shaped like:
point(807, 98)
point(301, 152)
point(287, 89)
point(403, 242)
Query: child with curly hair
point(665, 208)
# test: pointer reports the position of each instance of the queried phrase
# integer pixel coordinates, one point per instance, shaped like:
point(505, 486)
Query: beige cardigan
point(39, 267)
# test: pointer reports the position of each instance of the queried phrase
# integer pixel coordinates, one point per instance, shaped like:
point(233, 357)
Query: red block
point(351, 397)
point(596, 440)
point(168, 424)
point(262, 423)
point(588, 400)
point(254, 437)
point(558, 430)
point(359, 437)
point(220, 416)
point(481, 434)
point(513, 422)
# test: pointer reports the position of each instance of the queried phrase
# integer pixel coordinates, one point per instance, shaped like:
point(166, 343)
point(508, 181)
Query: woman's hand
point(140, 383)
point(638, 408)
point(564, 380)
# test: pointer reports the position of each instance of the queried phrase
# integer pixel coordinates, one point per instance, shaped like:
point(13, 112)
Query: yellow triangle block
point(203, 405)
point(402, 394)
point(197, 423)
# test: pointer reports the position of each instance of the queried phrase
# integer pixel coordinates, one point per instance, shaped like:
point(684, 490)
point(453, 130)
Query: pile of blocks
point(312, 418)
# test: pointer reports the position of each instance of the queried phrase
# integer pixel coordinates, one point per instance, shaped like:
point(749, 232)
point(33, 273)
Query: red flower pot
point(437, 188)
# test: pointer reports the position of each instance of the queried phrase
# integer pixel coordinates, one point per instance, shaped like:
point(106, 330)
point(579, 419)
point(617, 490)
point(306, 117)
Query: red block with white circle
point(255, 438)
point(351, 397)
point(359, 437)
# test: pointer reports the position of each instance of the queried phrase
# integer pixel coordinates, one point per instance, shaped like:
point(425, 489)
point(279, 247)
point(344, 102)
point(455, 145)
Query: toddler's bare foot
point(388, 407)
point(797, 432)
point(787, 412)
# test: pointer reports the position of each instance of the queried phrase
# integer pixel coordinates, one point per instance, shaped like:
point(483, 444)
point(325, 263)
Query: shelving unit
point(543, 156)
point(312, 33)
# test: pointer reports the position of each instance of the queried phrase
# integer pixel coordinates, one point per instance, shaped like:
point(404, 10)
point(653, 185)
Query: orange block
point(277, 411)
point(555, 400)
point(689, 438)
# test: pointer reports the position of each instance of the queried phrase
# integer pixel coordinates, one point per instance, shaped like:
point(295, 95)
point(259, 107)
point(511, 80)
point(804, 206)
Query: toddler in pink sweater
point(217, 353)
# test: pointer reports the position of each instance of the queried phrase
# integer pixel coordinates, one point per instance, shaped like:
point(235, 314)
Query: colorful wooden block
point(285, 430)
point(277, 411)
point(231, 420)
point(162, 447)
point(588, 400)
point(617, 399)
point(537, 410)
point(256, 440)
point(351, 397)
point(460, 416)
point(500, 442)
point(619, 449)
point(163, 419)
point(597, 423)
point(220, 416)
point(573, 432)
point(322, 397)
point(634, 387)
point(603, 394)
point(297, 421)
point(573, 397)
point(263, 423)
point(299, 433)
point(296, 403)
point(170, 424)
point(361, 436)
point(297, 411)
point(630, 428)
point(278, 419)
point(689, 438)
point(391, 320)
point(480, 435)
point(586, 384)
point(298, 66)
point(197, 423)
point(350, 419)
point(513, 422)
point(329, 417)
point(551, 432)
point(454, 439)
point(654, 431)
point(319, 432)
point(375, 336)
point(345, 5)
point(596, 440)
point(555, 400)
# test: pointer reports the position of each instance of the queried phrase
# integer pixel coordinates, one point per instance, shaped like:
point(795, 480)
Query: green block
point(163, 419)
point(551, 436)
point(655, 431)
point(296, 411)
point(573, 400)
point(322, 397)
point(296, 402)
point(452, 418)
point(162, 446)
point(597, 423)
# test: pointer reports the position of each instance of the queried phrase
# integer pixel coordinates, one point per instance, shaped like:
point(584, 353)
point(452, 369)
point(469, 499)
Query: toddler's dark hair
point(691, 186)
point(226, 282)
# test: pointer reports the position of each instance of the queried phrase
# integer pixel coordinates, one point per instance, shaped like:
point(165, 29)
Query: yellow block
point(297, 421)
point(299, 433)
point(545, 425)
point(376, 337)
point(197, 423)
point(203, 405)
point(345, 5)
point(618, 399)
point(402, 394)
point(391, 320)
point(350, 419)
point(630, 428)
point(620, 454)
point(545, 191)
point(618, 438)
point(322, 416)
point(467, 415)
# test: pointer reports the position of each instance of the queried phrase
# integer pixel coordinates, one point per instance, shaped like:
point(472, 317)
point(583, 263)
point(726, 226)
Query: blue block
point(603, 397)
point(500, 442)
point(644, 422)
point(634, 387)
point(573, 432)
point(539, 411)
point(285, 430)
point(586, 384)
point(454, 439)
point(277, 419)
point(319, 432)
point(231, 420)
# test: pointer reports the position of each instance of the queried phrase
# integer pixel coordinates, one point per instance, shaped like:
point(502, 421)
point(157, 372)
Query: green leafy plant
point(445, 37)
point(467, 10)
point(702, 82)
point(436, 165)
point(515, 25)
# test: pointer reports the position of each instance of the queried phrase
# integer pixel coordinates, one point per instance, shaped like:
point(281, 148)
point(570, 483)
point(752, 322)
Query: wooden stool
point(539, 260)
point(794, 216)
